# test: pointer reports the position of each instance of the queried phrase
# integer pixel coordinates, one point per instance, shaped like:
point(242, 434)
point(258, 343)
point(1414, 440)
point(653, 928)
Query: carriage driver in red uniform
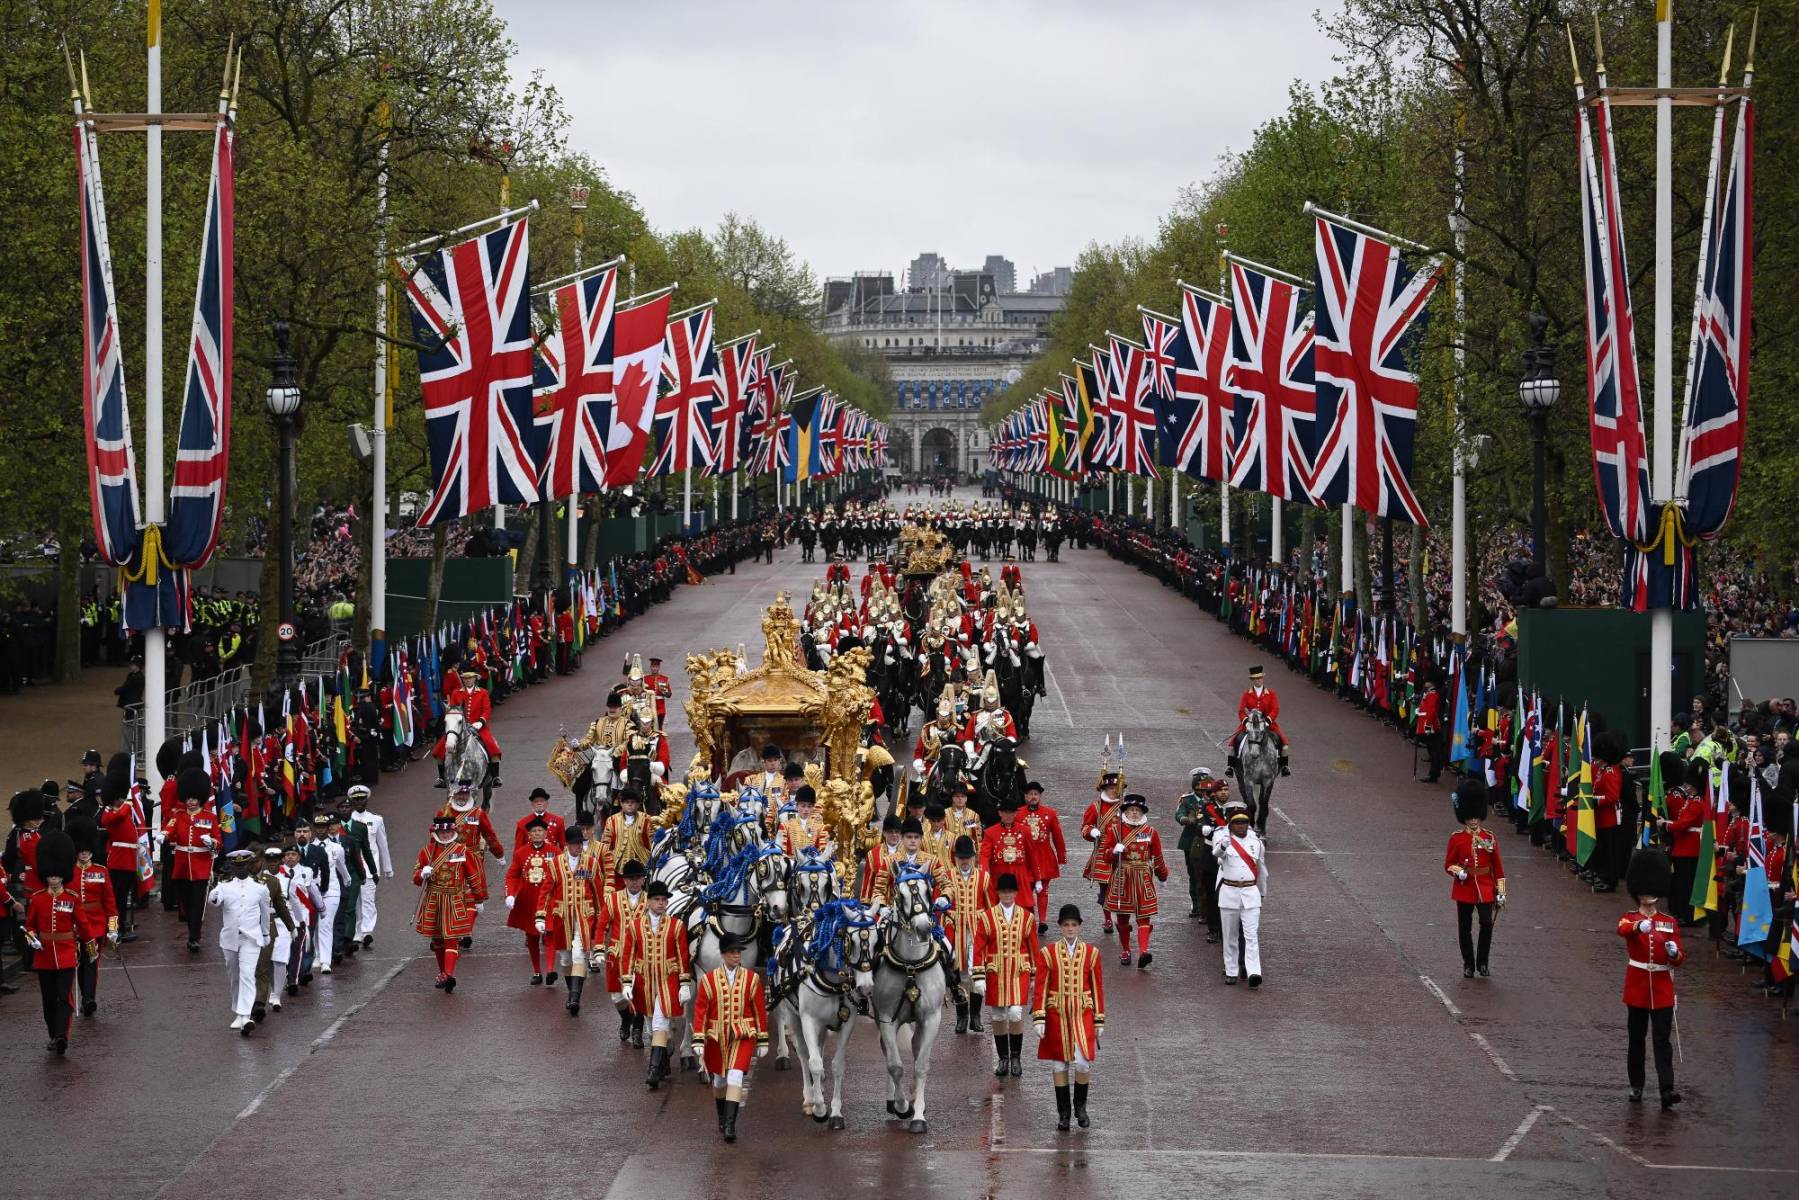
point(477, 709)
point(1260, 698)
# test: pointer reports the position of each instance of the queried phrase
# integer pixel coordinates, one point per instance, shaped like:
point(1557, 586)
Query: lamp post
point(1539, 389)
point(284, 406)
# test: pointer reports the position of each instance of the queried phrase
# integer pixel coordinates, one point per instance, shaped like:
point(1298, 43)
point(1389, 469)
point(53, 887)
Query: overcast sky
point(867, 132)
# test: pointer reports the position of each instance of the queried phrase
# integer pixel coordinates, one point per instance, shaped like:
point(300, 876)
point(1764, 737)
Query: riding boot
point(961, 1016)
point(658, 1056)
point(637, 1034)
point(575, 985)
point(974, 1015)
point(1017, 1054)
point(1230, 767)
point(731, 1107)
point(718, 1102)
point(1080, 1104)
point(440, 775)
point(1285, 765)
point(1001, 1047)
point(493, 772)
point(626, 1023)
point(1062, 1108)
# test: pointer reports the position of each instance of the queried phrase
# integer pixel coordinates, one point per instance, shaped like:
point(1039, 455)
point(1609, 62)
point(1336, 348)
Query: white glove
point(1093, 835)
point(1672, 948)
point(510, 901)
point(206, 840)
point(597, 961)
point(1461, 873)
point(540, 926)
point(1038, 1026)
point(1117, 847)
point(112, 939)
point(388, 875)
point(480, 725)
point(426, 872)
point(685, 994)
point(482, 907)
point(762, 1050)
point(980, 986)
point(1645, 927)
point(918, 766)
point(500, 861)
point(940, 904)
point(1037, 887)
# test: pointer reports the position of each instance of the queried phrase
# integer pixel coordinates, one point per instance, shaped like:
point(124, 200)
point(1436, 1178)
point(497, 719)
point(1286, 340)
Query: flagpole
point(571, 554)
point(1661, 619)
point(378, 486)
point(1223, 230)
point(1458, 518)
point(156, 637)
point(686, 497)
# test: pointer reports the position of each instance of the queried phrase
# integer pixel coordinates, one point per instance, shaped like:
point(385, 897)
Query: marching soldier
point(658, 974)
point(359, 862)
point(193, 832)
point(525, 880)
point(1006, 934)
point(448, 870)
point(1068, 1010)
point(1200, 815)
point(1472, 860)
point(1428, 728)
point(96, 906)
point(1137, 866)
point(730, 1029)
point(278, 947)
point(1258, 697)
point(619, 911)
point(1652, 948)
point(1096, 825)
point(244, 915)
point(1242, 886)
point(569, 917)
point(374, 834)
point(53, 931)
point(123, 822)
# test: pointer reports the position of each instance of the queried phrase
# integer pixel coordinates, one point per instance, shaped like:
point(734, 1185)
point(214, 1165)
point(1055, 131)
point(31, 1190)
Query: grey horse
point(1258, 766)
point(911, 980)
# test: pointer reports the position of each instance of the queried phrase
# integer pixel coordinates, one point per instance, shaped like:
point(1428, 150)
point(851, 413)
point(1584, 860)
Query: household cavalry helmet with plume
point(990, 692)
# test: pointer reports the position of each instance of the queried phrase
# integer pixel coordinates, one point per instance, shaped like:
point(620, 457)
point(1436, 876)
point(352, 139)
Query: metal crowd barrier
point(195, 705)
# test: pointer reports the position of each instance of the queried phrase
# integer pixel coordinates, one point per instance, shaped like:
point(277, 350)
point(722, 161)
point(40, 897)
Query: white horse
point(465, 758)
point(911, 979)
point(833, 964)
point(813, 884)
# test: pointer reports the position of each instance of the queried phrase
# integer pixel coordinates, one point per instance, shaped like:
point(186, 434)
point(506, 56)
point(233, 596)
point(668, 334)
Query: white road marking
point(1440, 994)
point(1524, 1127)
point(1632, 1155)
point(1304, 838)
point(1057, 688)
point(321, 1041)
point(1487, 1049)
point(996, 1120)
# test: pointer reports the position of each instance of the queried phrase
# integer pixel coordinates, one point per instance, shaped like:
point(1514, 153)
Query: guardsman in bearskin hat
point(1680, 828)
point(98, 906)
point(1652, 948)
point(1068, 1010)
point(1137, 866)
point(1472, 861)
point(53, 931)
point(730, 1029)
point(448, 871)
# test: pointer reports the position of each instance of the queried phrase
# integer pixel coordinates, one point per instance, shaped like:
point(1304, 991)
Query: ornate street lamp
point(284, 406)
point(1538, 390)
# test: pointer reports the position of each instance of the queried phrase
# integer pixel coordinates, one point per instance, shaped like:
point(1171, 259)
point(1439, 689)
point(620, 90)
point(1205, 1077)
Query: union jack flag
point(829, 435)
point(1093, 376)
point(1718, 380)
point(471, 313)
point(1202, 379)
point(203, 450)
point(1271, 372)
point(575, 371)
point(1370, 313)
point(1620, 460)
point(112, 470)
point(778, 382)
point(737, 380)
point(684, 433)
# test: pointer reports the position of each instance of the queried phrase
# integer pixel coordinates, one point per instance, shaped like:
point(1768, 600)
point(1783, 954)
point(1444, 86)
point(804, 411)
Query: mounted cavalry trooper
point(985, 724)
point(1258, 697)
point(477, 709)
point(933, 737)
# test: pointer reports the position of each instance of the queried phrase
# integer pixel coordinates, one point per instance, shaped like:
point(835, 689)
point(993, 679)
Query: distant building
point(952, 340)
point(1055, 282)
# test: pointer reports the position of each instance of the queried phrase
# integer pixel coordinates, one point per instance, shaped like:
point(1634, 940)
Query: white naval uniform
point(334, 896)
point(1241, 891)
point(243, 906)
point(376, 826)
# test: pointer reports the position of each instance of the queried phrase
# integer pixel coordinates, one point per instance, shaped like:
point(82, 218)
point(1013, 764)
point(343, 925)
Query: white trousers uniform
point(365, 908)
point(327, 924)
point(240, 977)
point(1240, 910)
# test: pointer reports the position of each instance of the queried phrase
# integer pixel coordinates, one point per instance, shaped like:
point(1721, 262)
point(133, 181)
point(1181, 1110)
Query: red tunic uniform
point(1648, 979)
point(55, 921)
point(477, 709)
point(1430, 714)
point(554, 826)
point(730, 1018)
point(525, 880)
point(123, 826)
point(655, 955)
point(570, 905)
point(617, 913)
point(1264, 701)
point(1477, 853)
point(1006, 850)
point(1135, 871)
point(1069, 998)
point(98, 907)
point(872, 866)
point(971, 727)
point(1048, 851)
point(969, 895)
point(1606, 786)
point(1094, 827)
point(473, 829)
point(1007, 951)
point(1686, 813)
point(194, 837)
point(28, 877)
point(447, 909)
